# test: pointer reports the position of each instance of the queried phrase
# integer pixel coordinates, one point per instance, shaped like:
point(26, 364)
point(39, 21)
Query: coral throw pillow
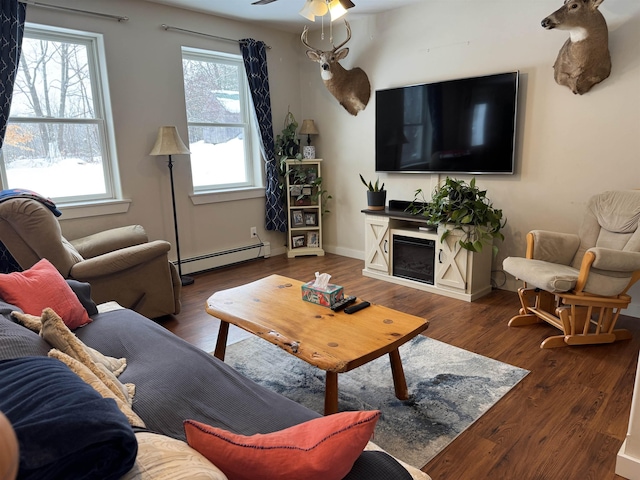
point(324, 448)
point(40, 287)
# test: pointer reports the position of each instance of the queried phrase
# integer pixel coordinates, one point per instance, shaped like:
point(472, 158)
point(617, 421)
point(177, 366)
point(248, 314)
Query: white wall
point(568, 146)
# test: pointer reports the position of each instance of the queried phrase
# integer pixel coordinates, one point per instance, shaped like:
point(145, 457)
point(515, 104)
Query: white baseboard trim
point(224, 258)
point(345, 252)
point(281, 250)
point(627, 466)
point(633, 310)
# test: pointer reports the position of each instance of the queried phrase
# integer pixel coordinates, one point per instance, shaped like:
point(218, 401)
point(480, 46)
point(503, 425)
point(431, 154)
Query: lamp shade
point(336, 9)
point(169, 142)
point(308, 128)
point(313, 8)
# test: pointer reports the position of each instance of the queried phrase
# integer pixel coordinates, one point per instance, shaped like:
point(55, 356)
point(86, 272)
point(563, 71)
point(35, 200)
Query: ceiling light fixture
point(336, 10)
point(313, 9)
point(319, 8)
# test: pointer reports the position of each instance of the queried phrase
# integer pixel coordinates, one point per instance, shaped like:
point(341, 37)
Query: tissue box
point(326, 297)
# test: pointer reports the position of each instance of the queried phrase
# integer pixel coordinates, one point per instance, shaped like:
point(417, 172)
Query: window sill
point(227, 195)
point(94, 209)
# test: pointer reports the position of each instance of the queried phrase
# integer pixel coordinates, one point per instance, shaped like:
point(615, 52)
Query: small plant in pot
point(287, 144)
point(376, 194)
point(462, 206)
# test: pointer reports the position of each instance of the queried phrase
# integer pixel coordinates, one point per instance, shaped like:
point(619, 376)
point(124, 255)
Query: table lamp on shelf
point(169, 143)
point(308, 128)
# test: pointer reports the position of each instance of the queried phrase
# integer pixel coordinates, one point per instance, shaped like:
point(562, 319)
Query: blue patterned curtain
point(255, 64)
point(12, 16)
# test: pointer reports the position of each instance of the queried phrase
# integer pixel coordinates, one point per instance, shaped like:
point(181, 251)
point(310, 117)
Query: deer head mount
point(584, 59)
point(350, 87)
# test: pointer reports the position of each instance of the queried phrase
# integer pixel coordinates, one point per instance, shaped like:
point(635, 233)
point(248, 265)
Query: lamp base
point(309, 151)
point(186, 280)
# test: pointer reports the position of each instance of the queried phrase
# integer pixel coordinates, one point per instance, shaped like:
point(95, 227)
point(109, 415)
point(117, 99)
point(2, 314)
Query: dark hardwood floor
point(565, 420)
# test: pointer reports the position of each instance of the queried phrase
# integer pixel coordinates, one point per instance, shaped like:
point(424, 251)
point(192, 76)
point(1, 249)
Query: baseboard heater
point(224, 258)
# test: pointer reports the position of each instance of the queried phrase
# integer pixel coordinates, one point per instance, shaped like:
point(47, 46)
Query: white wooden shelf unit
point(304, 207)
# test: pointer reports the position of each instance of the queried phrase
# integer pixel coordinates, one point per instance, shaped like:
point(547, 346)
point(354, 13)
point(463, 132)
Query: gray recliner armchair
point(579, 283)
point(120, 264)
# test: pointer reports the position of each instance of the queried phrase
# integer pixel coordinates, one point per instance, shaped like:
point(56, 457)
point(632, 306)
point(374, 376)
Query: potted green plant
point(462, 206)
point(376, 194)
point(287, 144)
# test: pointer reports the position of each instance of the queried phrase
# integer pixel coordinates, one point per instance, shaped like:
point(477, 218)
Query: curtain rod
point(169, 27)
point(75, 10)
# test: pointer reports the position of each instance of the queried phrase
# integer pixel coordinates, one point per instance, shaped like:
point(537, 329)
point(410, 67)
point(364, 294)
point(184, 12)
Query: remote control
point(356, 308)
point(336, 307)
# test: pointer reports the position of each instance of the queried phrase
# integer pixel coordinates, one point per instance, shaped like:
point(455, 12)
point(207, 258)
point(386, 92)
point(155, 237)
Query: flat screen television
point(456, 126)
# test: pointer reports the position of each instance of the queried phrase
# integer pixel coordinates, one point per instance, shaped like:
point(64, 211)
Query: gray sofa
point(177, 381)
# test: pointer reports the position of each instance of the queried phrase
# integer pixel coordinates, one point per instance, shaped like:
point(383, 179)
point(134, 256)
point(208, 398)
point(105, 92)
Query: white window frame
point(253, 187)
point(96, 59)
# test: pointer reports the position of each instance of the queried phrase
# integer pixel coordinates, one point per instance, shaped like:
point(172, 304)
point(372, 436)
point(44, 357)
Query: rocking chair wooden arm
point(606, 259)
point(585, 268)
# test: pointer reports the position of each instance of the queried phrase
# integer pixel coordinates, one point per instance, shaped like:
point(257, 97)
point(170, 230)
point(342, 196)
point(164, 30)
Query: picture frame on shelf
point(312, 175)
point(297, 219)
point(310, 219)
point(313, 240)
point(306, 190)
point(297, 241)
point(295, 190)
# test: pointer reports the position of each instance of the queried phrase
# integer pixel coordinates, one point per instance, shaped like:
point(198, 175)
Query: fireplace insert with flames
point(414, 258)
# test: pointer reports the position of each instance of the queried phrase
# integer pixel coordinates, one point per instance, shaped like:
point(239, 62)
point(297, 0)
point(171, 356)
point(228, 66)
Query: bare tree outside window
point(56, 136)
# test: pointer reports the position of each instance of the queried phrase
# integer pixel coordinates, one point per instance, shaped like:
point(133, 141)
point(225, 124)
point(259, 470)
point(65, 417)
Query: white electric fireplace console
point(402, 248)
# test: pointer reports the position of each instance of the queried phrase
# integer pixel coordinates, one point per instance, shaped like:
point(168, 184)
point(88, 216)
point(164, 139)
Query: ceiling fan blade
point(263, 2)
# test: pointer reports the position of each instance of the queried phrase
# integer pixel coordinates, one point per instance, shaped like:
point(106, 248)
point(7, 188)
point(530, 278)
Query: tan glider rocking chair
point(120, 264)
point(579, 283)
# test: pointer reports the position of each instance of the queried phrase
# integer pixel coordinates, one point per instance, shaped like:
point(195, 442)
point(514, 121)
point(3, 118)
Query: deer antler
point(303, 37)
point(348, 37)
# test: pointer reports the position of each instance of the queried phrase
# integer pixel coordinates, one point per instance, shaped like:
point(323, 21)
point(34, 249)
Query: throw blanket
point(21, 192)
point(8, 264)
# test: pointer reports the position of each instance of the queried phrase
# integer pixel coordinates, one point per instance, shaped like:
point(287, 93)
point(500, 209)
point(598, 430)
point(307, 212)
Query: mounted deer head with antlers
point(350, 87)
point(584, 59)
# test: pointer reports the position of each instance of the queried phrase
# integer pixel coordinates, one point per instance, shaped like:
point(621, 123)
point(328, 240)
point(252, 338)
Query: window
point(59, 139)
point(218, 117)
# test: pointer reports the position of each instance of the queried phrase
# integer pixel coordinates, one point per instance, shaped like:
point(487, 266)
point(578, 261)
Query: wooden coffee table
point(272, 308)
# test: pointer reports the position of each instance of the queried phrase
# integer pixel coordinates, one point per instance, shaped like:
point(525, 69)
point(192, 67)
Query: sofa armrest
point(554, 247)
point(110, 240)
point(118, 261)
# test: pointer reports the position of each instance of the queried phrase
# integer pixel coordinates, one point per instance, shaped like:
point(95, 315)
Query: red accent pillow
point(40, 287)
point(321, 449)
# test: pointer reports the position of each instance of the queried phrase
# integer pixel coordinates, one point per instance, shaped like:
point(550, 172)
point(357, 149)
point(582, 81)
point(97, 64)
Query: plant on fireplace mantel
point(376, 194)
point(462, 206)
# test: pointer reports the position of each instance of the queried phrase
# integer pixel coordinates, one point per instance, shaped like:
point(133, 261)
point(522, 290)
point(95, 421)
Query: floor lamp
point(169, 143)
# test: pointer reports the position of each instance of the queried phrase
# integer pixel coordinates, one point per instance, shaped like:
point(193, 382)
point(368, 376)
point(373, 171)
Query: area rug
point(450, 388)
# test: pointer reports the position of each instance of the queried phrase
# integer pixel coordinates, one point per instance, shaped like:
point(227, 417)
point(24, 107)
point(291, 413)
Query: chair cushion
point(551, 277)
